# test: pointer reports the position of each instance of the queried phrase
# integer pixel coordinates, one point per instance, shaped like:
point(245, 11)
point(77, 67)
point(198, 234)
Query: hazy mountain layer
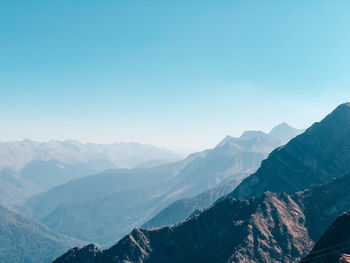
point(26, 241)
point(16, 155)
point(14, 189)
point(181, 209)
point(36, 167)
point(104, 207)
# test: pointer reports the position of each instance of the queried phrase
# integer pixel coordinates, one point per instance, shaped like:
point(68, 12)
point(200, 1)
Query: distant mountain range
point(23, 240)
point(308, 180)
point(28, 167)
point(250, 141)
point(16, 155)
point(103, 207)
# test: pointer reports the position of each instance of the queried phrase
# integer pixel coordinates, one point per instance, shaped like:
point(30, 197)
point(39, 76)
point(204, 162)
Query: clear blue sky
point(180, 74)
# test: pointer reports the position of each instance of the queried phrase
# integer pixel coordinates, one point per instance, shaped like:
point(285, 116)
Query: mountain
point(40, 166)
point(47, 174)
point(14, 189)
point(184, 208)
point(26, 241)
point(253, 141)
point(16, 155)
point(333, 244)
point(104, 207)
point(316, 156)
point(284, 132)
point(230, 231)
point(267, 227)
point(272, 227)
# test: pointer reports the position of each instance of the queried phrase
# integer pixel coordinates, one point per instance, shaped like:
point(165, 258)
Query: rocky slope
point(268, 228)
point(319, 154)
point(230, 231)
point(26, 241)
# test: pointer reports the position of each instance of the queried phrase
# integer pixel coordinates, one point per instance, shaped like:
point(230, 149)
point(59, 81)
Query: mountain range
point(272, 227)
point(29, 167)
point(183, 208)
point(274, 215)
point(104, 207)
point(318, 155)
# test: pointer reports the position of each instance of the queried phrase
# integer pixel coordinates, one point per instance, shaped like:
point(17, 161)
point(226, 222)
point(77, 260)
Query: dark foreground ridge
point(231, 230)
point(269, 228)
point(334, 243)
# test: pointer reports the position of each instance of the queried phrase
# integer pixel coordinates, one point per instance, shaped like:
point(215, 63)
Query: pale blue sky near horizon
point(178, 74)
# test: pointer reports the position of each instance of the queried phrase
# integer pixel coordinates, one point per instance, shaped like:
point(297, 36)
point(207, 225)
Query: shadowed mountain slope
point(230, 231)
point(319, 154)
point(334, 243)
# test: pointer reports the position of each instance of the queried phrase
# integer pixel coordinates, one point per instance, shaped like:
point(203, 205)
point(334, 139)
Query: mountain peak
point(284, 132)
point(344, 108)
point(249, 135)
point(282, 125)
point(345, 105)
point(226, 140)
